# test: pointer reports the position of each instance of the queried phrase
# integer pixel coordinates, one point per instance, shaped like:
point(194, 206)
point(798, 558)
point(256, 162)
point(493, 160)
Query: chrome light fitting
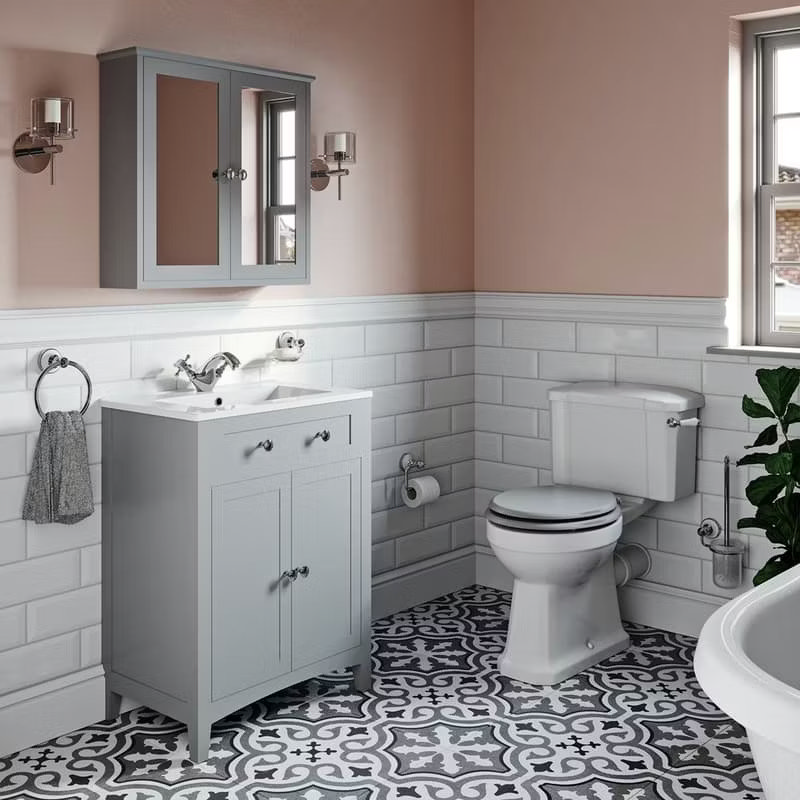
point(51, 118)
point(340, 148)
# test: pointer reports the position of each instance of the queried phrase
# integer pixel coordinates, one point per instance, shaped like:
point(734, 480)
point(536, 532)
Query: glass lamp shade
point(341, 147)
point(53, 117)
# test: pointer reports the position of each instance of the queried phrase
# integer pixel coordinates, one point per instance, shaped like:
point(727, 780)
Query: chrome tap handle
point(181, 364)
point(303, 571)
point(290, 574)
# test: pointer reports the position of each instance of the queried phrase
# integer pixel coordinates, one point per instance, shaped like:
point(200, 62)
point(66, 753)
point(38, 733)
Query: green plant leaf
point(779, 385)
point(777, 536)
point(792, 414)
point(752, 522)
point(769, 513)
point(753, 458)
point(779, 463)
point(775, 566)
point(764, 489)
point(754, 409)
point(768, 436)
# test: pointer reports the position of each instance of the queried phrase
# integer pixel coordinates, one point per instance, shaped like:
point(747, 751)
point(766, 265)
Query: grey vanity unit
point(236, 552)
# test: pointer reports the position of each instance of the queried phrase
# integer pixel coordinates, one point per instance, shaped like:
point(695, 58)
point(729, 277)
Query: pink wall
point(601, 145)
point(598, 143)
point(398, 72)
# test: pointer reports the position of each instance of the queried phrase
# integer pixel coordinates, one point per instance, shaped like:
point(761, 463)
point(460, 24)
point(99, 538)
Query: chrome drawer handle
point(303, 571)
point(265, 445)
point(291, 574)
point(324, 435)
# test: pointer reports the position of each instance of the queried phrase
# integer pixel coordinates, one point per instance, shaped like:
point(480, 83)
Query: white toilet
point(618, 448)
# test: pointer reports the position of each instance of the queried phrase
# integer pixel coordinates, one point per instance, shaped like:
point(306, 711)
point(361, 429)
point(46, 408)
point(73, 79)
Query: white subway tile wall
point(467, 393)
point(518, 360)
point(422, 374)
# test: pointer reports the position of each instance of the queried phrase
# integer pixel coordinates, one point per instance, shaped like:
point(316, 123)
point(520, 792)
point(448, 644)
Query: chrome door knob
point(224, 174)
point(303, 571)
point(290, 574)
point(265, 445)
point(242, 174)
point(324, 435)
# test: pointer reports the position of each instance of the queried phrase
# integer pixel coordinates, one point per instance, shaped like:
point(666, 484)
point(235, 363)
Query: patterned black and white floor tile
point(440, 724)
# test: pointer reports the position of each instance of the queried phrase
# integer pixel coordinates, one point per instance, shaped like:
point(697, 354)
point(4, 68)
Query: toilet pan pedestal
point(556, 631)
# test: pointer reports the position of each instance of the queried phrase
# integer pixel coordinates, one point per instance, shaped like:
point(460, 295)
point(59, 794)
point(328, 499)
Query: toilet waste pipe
point(630, 561)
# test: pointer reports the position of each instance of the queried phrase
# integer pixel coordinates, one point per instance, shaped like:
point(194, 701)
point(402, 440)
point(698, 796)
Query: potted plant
point(775, 494)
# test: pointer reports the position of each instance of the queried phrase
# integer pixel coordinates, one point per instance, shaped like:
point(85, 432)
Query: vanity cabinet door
point(185, 140)
point(250, 615)
point(326, 538)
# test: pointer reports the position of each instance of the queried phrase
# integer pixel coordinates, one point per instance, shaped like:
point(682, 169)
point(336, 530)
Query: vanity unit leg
point(363, 675)
point(199, 737)
point(113, 704)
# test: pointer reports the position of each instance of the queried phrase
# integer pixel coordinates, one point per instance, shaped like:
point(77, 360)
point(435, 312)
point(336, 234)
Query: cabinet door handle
point(265, 445)
point(303, 571)
point(224, 174)
point(242, 174)
point(291, 574)
point(325, 435)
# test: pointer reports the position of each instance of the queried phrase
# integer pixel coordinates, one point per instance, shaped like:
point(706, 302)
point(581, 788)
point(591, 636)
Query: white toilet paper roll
point(420, 491)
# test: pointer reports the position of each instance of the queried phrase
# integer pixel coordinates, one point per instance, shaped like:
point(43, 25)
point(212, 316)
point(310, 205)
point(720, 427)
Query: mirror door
point(269, 204)
point(186, 197)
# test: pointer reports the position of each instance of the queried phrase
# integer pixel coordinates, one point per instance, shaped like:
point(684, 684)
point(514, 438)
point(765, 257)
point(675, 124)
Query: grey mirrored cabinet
point(236, 557)
point(203, 173)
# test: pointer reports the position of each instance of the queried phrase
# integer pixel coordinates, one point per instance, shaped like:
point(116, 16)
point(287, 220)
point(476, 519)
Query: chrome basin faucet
point(205, 379)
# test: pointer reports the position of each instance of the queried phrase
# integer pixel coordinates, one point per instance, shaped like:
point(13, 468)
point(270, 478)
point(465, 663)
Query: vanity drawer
point(264, 450)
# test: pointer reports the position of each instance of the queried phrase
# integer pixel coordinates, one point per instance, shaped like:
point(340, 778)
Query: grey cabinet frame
point(160, 479)
point(127, 172)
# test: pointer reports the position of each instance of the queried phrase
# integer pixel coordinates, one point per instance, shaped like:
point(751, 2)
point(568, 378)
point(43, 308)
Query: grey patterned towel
point(59, 486)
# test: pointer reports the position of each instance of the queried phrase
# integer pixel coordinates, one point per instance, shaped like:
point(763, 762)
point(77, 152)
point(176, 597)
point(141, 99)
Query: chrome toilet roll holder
point(410, 464)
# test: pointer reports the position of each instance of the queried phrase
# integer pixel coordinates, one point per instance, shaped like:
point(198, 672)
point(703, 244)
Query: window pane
point(787, 150)
point(787, 299)
point(787, 80)
point(286, 133)
point(286, 182)
point(786, 230)
point(285, 237)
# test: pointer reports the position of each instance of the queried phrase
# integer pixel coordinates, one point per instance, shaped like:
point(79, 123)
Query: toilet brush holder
point(727, 555)
point(726, 564)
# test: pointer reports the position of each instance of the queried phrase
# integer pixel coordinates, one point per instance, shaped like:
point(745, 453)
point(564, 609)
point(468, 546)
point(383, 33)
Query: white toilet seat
point(555, 510)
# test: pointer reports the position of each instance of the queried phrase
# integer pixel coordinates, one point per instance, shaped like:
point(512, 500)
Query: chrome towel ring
point(49, 361)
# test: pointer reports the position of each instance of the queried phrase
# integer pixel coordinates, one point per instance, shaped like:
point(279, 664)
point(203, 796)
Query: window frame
point(271, 105)
point(762, 38)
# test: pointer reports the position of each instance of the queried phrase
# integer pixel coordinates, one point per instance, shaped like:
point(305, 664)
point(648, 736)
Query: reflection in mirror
point(187, 153)
point(268, 151)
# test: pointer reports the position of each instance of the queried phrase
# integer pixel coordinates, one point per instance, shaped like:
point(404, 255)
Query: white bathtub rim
point(742, 689)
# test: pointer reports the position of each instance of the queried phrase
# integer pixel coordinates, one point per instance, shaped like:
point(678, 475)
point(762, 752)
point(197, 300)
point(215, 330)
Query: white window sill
point(755, 351)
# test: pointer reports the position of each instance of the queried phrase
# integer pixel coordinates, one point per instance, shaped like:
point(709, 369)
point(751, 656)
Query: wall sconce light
point(340, 148)
point(51, 118)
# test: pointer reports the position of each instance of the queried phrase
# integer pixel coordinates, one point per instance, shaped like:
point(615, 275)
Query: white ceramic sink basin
point(227, 401)
point(228, 398)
